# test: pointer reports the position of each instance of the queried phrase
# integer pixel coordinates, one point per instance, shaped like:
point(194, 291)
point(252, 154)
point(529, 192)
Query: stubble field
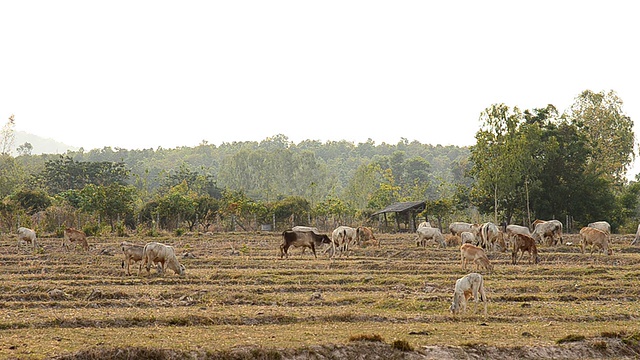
point(238, 299)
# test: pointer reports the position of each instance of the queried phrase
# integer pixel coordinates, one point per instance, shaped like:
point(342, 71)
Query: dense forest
point(535, 163)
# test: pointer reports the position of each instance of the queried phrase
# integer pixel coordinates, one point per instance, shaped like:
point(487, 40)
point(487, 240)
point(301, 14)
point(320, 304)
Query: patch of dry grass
point(56, 301)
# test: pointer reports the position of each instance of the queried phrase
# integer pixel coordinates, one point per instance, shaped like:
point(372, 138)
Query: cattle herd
point(473, 240)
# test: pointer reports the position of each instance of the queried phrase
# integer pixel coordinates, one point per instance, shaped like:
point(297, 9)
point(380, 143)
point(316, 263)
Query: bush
point(402, 345)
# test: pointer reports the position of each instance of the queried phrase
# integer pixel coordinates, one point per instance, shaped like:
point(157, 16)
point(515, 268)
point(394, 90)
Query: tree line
point(536, 163)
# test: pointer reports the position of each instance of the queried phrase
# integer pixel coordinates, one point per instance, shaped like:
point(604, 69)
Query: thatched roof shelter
point(406, 211)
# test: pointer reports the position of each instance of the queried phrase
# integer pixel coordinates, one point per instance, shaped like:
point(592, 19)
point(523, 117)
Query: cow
point(524, 243)
point(165, 255)
point(637, 238)
point(470, 252)
point(467, 237)
point(491, 236)
point(72, 235)
point(365, 237)
point(424, 224)
point(595, 238)
point(341, 238)
point(456, 228)
point(548, 229)
point(132, 254)
point(601, 225)
point(306, 239)
point(467, 287)
point(424, 234)
point(28, 235)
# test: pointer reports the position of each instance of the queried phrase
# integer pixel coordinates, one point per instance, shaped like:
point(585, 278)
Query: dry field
point(238, 294)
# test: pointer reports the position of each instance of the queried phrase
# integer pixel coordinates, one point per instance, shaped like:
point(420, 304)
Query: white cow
point(601, 225)
point(548, 229)
point(491, 237)
point(28, 235)
point(467, 237)
point(467, 287)
point(155, 252)
point(456, 228)
point(637, 238)
point(424, 234)
point(341, 238)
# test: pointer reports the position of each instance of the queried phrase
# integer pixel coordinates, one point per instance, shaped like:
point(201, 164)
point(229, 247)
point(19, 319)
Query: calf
point(470, 252)
point(132, 254)
point(72, 235)
point(469, 286)
point(524, 243)
point(595, 238)
point(301, 239)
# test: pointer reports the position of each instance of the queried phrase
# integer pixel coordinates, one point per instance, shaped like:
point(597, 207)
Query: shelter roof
point(417, 206)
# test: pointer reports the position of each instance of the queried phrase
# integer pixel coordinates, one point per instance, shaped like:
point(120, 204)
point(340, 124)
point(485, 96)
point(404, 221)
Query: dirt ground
point(240, 300)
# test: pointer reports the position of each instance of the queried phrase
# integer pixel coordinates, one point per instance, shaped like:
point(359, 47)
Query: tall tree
point(7, 136)
point(609, 132)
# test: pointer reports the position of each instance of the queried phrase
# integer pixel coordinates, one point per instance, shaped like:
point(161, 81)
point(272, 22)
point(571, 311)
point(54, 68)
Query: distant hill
point(41, 145)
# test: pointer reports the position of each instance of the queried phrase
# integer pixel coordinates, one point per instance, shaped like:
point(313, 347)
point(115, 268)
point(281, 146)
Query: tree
point(494, 156)
point(609, 132)
point(7, 136)
point(110, 202)
point(25, 149)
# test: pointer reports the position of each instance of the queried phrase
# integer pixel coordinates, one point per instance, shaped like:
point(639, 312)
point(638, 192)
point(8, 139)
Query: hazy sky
point(143, 74)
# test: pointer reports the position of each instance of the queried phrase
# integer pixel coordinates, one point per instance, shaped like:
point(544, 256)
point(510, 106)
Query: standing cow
point(28, 235)
point(306, 239)
point(341, 238)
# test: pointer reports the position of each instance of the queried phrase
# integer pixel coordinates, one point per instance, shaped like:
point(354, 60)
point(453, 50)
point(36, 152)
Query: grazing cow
point(467, 287)
point(467, 237)
point(165, 255)
point(637, 238)
point(72, 235)
point(132, 254)
point(601, 225)
point(364, 237)
point(341, 238)
point(524, 243)
point(306, 239)
point(548, 229)
point(470, 252)
point(536, 222)
point(424, 234)
point(28, 235)
point(595, 238)
point(456, 228)
point(517, 229)
point(491, 236)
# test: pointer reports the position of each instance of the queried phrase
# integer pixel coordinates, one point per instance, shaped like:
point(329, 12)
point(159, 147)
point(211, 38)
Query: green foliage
point(32, 201)
point(64, 173)
point(92, 229)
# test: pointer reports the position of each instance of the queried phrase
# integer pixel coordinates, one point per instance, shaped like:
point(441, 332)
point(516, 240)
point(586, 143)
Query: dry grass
point(56, 302)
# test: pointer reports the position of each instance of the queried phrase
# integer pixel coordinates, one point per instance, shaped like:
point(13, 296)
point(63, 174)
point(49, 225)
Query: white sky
point(142, 74)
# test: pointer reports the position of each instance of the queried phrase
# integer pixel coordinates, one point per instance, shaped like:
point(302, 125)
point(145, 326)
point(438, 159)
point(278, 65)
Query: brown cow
point(595, 238)
point(301, 238)
point(365, 237)
point(524, 243)
point(470, 252)
point(72, 235)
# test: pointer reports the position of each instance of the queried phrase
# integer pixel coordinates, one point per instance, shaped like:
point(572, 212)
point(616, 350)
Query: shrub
point(367, 337)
